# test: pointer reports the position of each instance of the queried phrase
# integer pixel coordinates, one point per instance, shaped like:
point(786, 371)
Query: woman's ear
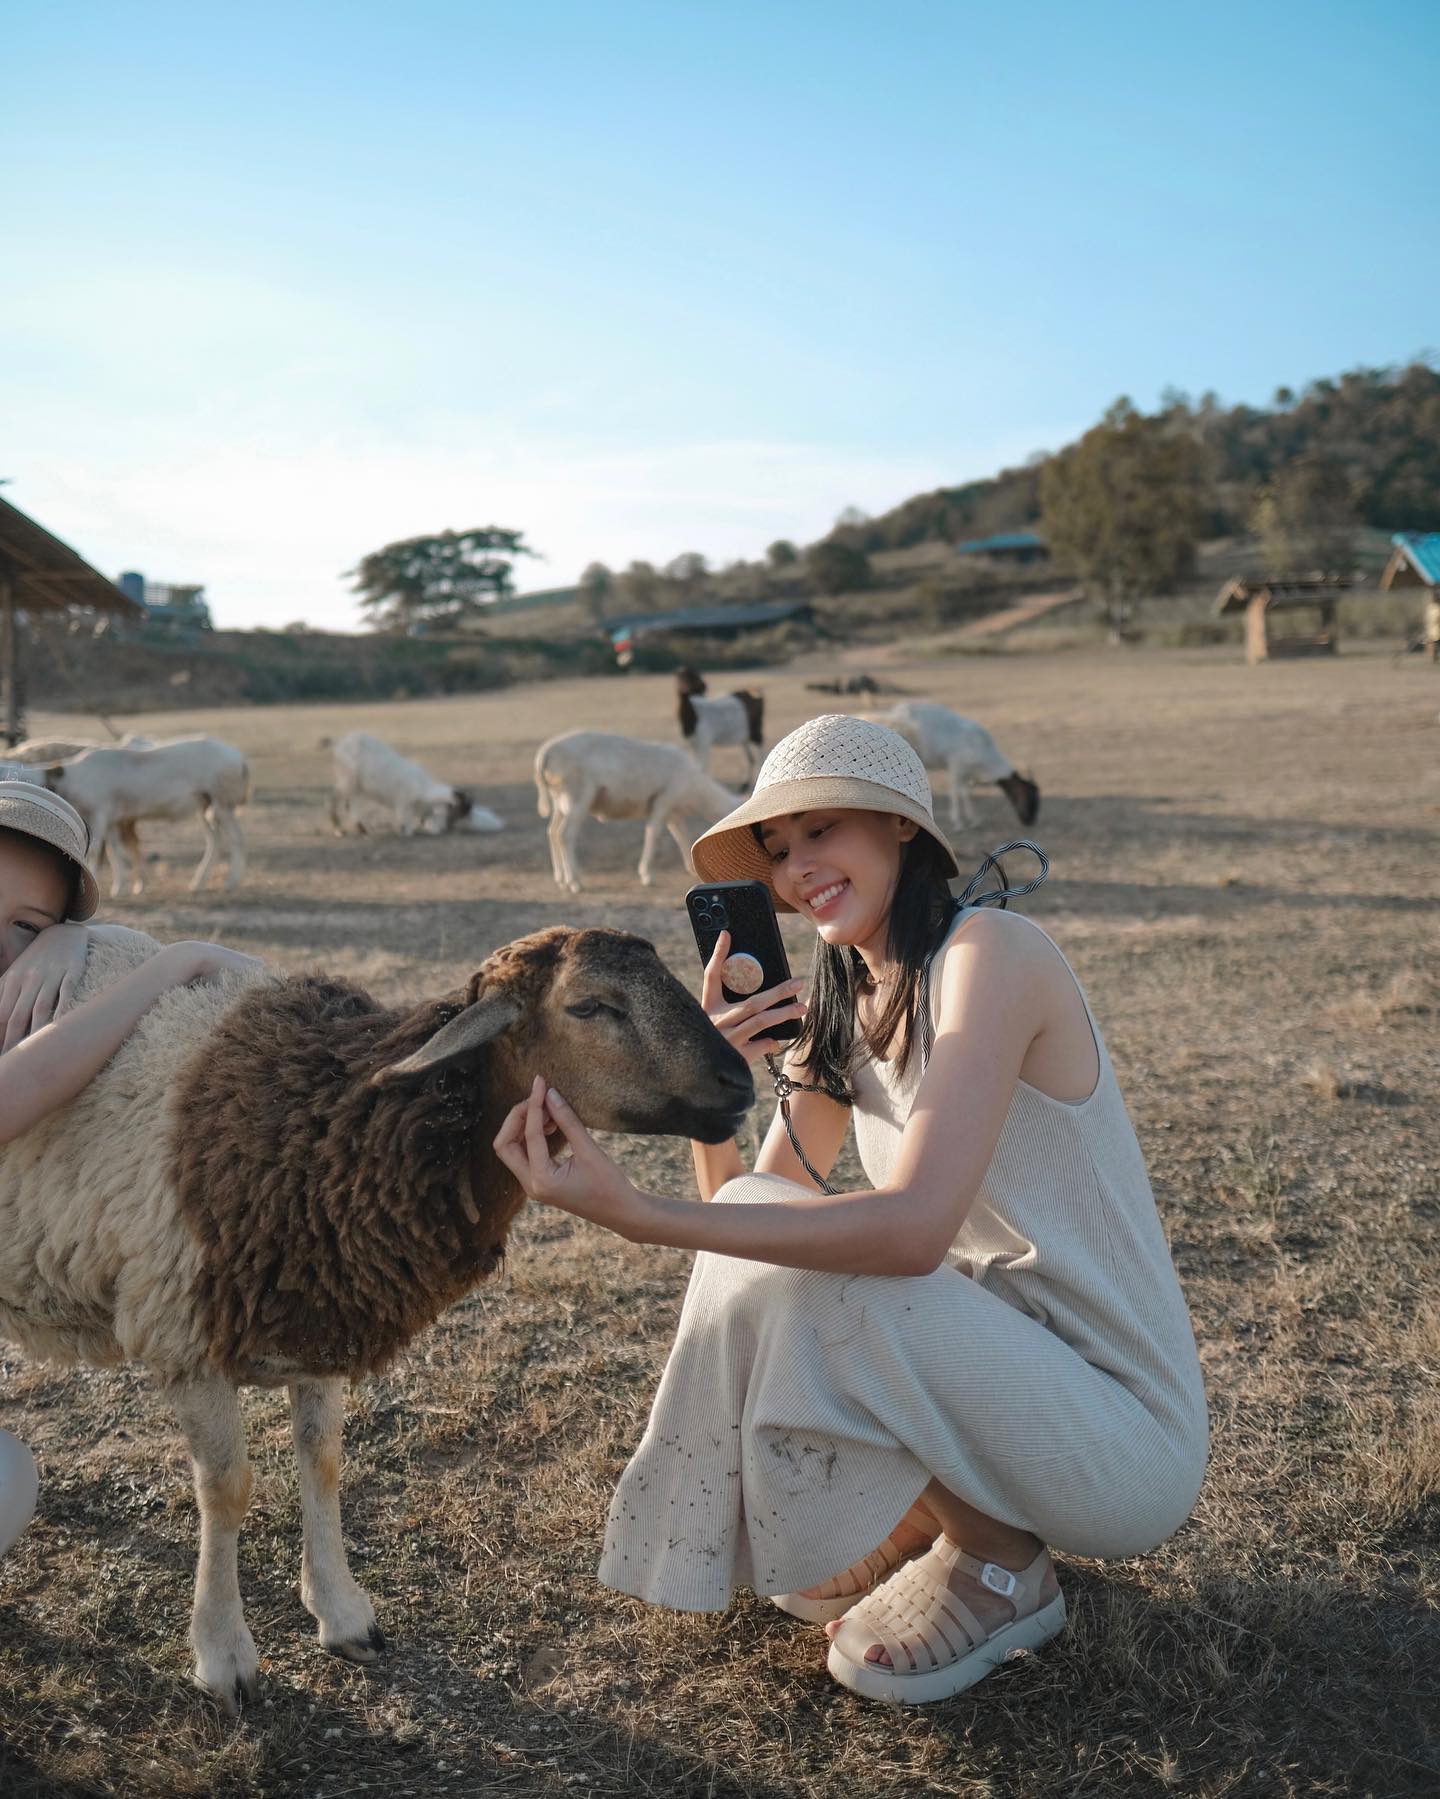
point(908, 829)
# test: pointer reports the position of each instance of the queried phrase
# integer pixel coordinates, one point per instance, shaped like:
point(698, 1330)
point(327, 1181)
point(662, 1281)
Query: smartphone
point(757, 959)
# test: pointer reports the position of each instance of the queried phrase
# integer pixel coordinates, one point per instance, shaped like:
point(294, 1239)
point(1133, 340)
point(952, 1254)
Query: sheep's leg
point(682, 840)
point(126, 832)
point(553, 826)
point(212, 848)
point(576, 807)
point(106, 838)
point(331, 1595)
point(225, 1660)
point(961, 810)
point(657, 819)
point(227, 822)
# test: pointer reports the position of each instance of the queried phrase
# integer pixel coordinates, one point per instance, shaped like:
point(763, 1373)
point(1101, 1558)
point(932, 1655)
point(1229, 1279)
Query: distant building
point(1006, 546)
point(1415, 561)
point(708, 621)
point(178, 606)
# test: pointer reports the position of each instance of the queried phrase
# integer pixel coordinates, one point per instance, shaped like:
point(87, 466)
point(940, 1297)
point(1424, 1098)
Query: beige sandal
point(841, 1591)
point(936, 1644)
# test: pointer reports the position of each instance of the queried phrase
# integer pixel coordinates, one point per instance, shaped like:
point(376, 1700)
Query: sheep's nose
point(737, 1083)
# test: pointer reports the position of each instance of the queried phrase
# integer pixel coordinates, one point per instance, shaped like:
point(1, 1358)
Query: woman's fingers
point(566, 1117)
point(17, 1025)
point(510, 1141)
point(786, 994)
point(710, 994)
point(46, 1001)
point(535, 1144)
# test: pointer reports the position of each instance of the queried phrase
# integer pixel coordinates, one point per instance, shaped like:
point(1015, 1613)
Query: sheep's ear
point(476, 1025)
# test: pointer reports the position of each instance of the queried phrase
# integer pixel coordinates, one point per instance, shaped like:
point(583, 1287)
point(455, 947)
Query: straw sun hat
point(833, 761)
point(26, 806)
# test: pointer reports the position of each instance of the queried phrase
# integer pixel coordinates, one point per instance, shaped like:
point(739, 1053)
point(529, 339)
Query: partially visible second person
point(50, 1048)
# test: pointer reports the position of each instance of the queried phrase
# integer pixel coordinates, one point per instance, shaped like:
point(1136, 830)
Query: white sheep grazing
point(608, 776)
point(730, 720)
point(277, 1182)
point(368, 768)
point(35, 752)
point(187, 776)
point(943, 739)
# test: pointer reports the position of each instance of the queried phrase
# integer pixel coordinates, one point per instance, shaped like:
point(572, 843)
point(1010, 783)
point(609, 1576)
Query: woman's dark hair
point(920, 915)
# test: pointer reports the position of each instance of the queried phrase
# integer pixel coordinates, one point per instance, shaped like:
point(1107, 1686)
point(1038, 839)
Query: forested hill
point(1377, 429)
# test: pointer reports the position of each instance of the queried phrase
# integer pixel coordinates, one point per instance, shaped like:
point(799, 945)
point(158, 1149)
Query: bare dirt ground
point(1245, 873)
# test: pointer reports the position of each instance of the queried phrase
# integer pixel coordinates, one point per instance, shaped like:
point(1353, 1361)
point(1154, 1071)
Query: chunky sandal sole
point(873, 1680)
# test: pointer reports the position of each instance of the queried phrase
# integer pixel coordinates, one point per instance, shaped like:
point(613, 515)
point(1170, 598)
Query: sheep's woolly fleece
point(291, 1171)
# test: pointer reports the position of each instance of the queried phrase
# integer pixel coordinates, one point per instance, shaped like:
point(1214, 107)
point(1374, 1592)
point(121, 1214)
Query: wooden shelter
point(1414, 562)
point(1258, 599)
point(38, 573)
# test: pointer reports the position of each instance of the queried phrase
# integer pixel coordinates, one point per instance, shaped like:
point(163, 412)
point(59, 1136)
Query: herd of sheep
point(578, 775)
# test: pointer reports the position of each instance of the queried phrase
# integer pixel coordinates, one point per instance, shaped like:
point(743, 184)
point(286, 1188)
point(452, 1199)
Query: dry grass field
point(1245, 875)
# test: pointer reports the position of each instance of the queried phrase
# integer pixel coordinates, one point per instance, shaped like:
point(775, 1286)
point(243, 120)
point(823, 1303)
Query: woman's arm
point(52, 1065)
point(996, 992)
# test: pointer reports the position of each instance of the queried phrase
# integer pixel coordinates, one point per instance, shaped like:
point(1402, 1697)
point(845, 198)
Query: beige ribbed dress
point(1047, 1373)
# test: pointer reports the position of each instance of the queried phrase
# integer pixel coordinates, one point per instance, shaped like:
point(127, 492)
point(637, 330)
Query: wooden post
point(9, 669)
point(1257, 644)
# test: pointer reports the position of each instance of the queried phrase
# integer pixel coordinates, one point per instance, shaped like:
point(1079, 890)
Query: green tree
point(596, 587)
point(836, 568)
point(640, 588)
point(782, 553)
point(428, 581)
point(1305, 519)
point(1124, 508)
point(689, 568)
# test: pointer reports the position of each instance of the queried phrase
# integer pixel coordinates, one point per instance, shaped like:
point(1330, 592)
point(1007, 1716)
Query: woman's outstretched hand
point(583, 1179)
point(743, 1025)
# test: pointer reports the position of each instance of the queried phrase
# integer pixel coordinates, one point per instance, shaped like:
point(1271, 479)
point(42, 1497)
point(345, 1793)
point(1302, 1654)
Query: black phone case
point(745, 909)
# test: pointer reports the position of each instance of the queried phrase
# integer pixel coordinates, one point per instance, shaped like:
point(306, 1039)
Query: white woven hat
point(834, 761)
point(25, 806)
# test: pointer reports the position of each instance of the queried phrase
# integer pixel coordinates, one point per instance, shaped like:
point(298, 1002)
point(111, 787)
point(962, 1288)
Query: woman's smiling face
point(838, 868)
point(34, 890)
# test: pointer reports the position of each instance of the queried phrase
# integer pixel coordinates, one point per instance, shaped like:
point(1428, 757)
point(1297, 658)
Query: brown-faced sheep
point(278, 1182)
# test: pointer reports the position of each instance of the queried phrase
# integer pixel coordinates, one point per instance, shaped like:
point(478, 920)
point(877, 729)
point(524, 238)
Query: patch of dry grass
point(1248, 893)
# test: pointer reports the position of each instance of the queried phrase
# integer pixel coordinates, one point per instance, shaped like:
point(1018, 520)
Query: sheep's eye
point(589, 1008)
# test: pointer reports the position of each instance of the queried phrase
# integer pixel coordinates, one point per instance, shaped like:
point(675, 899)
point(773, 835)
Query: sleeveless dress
point(1046, 1373)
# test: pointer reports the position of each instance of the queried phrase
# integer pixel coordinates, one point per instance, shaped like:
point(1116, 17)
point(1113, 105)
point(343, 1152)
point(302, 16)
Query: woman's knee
point(19, 1486)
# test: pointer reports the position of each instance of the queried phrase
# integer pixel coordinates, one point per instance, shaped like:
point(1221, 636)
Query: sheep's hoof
point(243, 1690)
point(361, 1649)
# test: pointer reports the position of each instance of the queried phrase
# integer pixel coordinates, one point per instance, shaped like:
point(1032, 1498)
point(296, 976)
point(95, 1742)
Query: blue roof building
point(1007, 546)
point(1415, 562)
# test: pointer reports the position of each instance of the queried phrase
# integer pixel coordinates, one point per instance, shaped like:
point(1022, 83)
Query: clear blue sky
point(281, 283)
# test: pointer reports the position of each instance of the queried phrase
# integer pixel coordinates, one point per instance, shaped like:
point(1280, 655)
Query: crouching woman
point(49, 1048)
point(884, 1407)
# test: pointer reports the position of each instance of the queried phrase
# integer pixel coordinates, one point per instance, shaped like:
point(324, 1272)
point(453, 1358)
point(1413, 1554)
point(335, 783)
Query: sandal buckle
point(999, 1580)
